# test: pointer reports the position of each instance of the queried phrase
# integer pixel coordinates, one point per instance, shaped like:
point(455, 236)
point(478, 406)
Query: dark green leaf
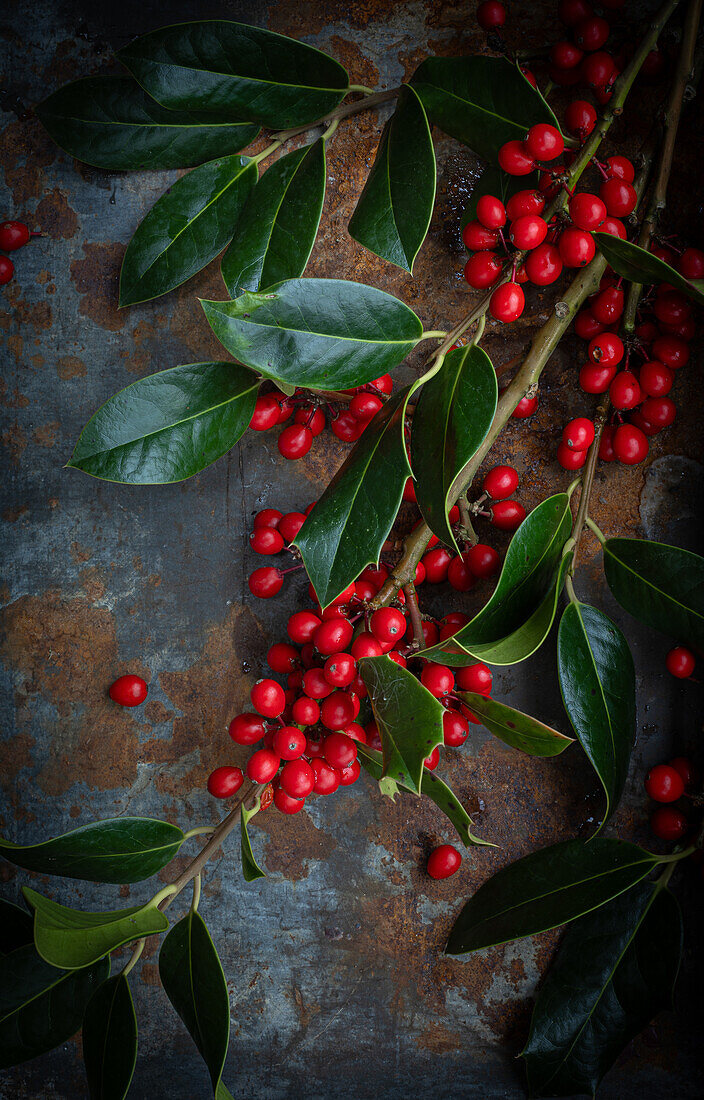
point(250, 868)
point(598, 685)
point(110, 122)
point(40, 1006)
point(317, 333)
point(71, 938)
point(192, 977)
point(615, 970)
point(394, 210)
point(121, 849)
point(482, 101)
point(168, 426)
point(277, 228)
point(518, 730)
point(251, 73)
point(186, 228)
point(110, 1040)
point(495, 182)
point(661, 585)
point(15, 927)
point(454, 412)
point(546, 889)
point(640, 266)
point(516, 619)
point(409, 719)
point(348, 526)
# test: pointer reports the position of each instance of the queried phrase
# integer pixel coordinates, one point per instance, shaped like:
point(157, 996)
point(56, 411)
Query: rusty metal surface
point(338, 986)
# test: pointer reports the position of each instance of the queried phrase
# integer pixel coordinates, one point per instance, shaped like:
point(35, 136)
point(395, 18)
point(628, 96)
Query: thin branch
point(414, 611)
point(339, 113)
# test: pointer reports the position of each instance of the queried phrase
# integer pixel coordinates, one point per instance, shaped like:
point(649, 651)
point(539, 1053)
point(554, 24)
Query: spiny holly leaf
point(168, 426)
point(216, 65)
point(250, 868)
point(615, 969)
point(482, 101)
point(493, 181)
point(193, 980)
point(598, 685)
point(394, 210)
point(516, 729)
point(409, 719)
point(530, 571)
point(317, 333)
point(15, 927)
point(277, 228)
point(546, 889)
point(71, 938)
point(640, 266)
point(41, 1007)
point(120, 849)
point(347, 528)
point(110, 1040)
point(110, 122)
point(454, 412)
point(186, 228)
point(661, 585)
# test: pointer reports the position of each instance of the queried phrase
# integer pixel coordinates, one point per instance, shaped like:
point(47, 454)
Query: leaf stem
point(134, 957)
point(200, 830)
point(374, 99)
point(196, 893)
point(411, 595)
point(596, 530)
point(433, 334)
point(267, 152)
point(360, 88)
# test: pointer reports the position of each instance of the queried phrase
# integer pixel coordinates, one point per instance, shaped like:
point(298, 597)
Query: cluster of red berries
point(13, 235)
point(581, 58)
point(309, 415)
point(668, 783)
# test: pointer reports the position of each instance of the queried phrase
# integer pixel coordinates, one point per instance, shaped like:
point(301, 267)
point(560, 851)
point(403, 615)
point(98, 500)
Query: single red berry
point(607, 307)
point(544, 142)
point(500, 482)
point(285, 804)
point(339, 750)
point(13, 235)
point(437, 562)
point(606, 349)
point(305, 711)
point(289, 742)
point(262, 766)
point(525, 202)
point(268, 517)
point(333, 636)
point(680, 662)
point(247, 729)
point(266, 413)
point(544, 264)
point(315, 684)
point(507, 515)
point(350, 773)
point(290, 525)
point(295, 441)
point(337, 710)
point(691, 263)
point(365, 406)
point(655, 379)
point(668, 823)
point(614, 227)
point(491, 212)
point(482, 560)
point(570, 459)
point(287, 407)
point(664, 784)
point(515, 159)
point(265, 582)
point(346, 426)
point(587, 211)
point(267, 698)
point(598, 70)
point(578, 433)
point(297, 778)
point(327, 778)
point(388, 624)
point(671, 307)
point(477, 237)
point(576, 247)
point(460, 575)
point(491, 14)
point(283, 658)
point(455, 729)
point(507, 302)
point(438, 679)
point(565, 55)
point(266, 540)
point(570, 12)
point(606, 444)
point(477, 677)
point(630, 444)
point(673, 351)
point(620, 168)
point(128, 690)
point(7, 270)
point(586, 325)
point(528, 231)
point(595, 378)
point(302, 626)
point(591, 33)
point(659, 412)
point(311, 417)
point(620, 197)
point(580, 118)
point(624, 391)
point(482, 270)
point(443, 861)
point(340, 669)
point(685, 768)
point(365, 645)
point(225, 781)
point(431, 762)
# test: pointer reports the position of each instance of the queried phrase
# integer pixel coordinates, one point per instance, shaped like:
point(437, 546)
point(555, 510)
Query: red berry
point(544, 142)
point(327, 778)
point(388, 624)
point(460, 575)
point(482, 560)
point(365, 406)
point(655, 379)
point(668, 823)
point(576, 247)
point(620, 168)
point(346, 426)
point(525, 408)
point(595, 378)
point(477, 677)
point(438, 679)
point(339, 750)
point(247, 729)
point(311, 417)
point(285, 804)
point(302, 626)
point(289, 742)
point(128, 691)
point(525, 202)
point(578, 433)
point(283, 658)
point(340, 669)
point(507, 302)
point(680, 662)
point(664, 784)
point(295, 441)
point(315, 684)
point(507, 515)
point(431, 762)
point(607, 307)
point(365, 645)
point(262, 766)
point(297, 778)
point(614, 227)
point(337, 710)
point(620, 197)
point(477, 237)
point(671, 307)
point(598, 70)
point(528, 231)
point(565, 55)
point(587, 211)
point(673, 351)
point(691, 263)
point(586, 325)
point(685, 768)
point(606, 444)
point(350, 773)
point(13, 235)
point(570, 12)
point(266, 540)
point(515, 159)
point(482, 270)
point(591, 33)
point(491, 14)
point(580, 118)
point(491, 212)
point(659, 412)
point(305, 711)
point(624, 391)
point(268, 517)
point(500, 482)
point(290, 525)
point(630, 444)
point(544, 264)
point(606, 349)
point(7, 270)
point(265, 582)
point(268, 698)
point(455, 729)
point(443, 861)
point(225, 781)
point(570, 459)
point(266, 413)
point(333, 636)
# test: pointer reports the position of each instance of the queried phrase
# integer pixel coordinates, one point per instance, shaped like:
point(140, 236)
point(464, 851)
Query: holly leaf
point(111, 123)
point(186, 228)
point(15, 927)
point(120, 849)
point(615, 970)
point(250, 868)
point(598, 685)
point(517, 617)
point(192, 977)
point(217, 65)
point(317, 333)
point(640, 266)
point(393, 212)
point(40, 1006)
point(515, 728)
point(481, 101)
point(277, 228)
point(71, 938)
point(494, 181)
point(548, 888)
point(348, 526)
point(110, 1040)
point(454, 413)
point(168, 426)
point(661, 585)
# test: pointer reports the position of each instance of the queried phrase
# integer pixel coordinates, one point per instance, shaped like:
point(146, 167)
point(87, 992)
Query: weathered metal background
point(338, 985)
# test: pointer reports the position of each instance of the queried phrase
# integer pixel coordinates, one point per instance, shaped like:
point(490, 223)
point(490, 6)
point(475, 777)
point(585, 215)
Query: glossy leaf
point(250, 868)
point(320, 333)
point(546, 889)
point(513, 619)
point(120, 849)
point(15, 927)
point(394, 210)
point(640, 266)
point(72, 938)
point(193, 980)
point(110, 1040)
point(110, 122)
point(598, 685)
point(482, 101)
point(40, 1006)
point(408, 717)
point(493, 181)
point(348, 526)
point(515, 728)
point(453, 415)
point(277, 228)
point(615, 969)
point(661, 585)
point(168, 426)
point(186, 228)
point(217, 65)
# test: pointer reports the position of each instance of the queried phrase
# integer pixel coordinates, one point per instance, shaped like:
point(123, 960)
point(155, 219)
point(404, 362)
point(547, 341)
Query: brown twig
point(411, 595)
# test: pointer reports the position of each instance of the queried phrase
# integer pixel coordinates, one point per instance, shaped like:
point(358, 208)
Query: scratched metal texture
point(337, 982)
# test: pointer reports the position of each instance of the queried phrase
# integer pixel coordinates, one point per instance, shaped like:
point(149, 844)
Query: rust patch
point(12, 399)
point(45, 435)
point(309, 17)
point(292, 842)
point(439, 1039)
point(70, 366)
point(361, 70)
point(97, 278)
point(79, 553)
point(14, 441)
point(155, 712)
point(25, 150)
point(92, 581)
point(54, 216)
point(11, 515)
